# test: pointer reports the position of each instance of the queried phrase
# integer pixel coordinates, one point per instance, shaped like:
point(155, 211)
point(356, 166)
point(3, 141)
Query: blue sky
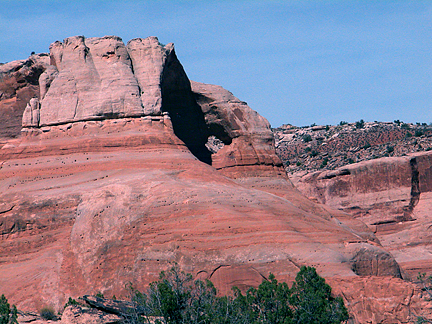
point(297, 62)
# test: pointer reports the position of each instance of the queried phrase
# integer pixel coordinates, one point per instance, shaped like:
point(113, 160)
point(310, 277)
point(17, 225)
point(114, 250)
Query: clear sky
point(297, 62)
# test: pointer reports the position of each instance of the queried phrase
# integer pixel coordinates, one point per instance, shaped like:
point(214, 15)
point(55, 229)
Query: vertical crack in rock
point(415, 189)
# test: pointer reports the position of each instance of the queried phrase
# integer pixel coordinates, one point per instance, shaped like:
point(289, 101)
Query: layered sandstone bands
point(92, 205)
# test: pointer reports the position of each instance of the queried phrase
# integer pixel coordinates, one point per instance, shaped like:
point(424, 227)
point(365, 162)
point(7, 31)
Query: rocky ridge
point(102, 189)
point(318, 148)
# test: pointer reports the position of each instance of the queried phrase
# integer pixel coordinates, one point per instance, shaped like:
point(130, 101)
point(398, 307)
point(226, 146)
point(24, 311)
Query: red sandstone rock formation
point(89, 202)
point(391, 195)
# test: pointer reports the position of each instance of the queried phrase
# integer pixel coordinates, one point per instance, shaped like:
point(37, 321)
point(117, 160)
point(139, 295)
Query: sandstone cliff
point(107, 185)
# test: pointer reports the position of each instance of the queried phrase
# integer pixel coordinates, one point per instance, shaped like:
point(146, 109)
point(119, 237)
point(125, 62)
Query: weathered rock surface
point(82, 315)
point(149, 58)
point(247, 138)
point(18, 84)
point(100, 194)
point(395, 300)
point(90, 206)
point(391, 195)
point(95, 81)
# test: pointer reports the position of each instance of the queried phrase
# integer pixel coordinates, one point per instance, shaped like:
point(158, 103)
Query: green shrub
point(307, 138)
point(71, 302)
point(366, 146)
point(418, 133)
point(324, 163)
point(312, 300)
point(360, 123)
point(8, 315)
point(176, 298)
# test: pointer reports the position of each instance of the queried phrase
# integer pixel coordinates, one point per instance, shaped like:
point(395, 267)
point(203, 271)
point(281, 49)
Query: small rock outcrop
point(246, 136)
point(19, 83)
point(31, 116)
point(84, 315)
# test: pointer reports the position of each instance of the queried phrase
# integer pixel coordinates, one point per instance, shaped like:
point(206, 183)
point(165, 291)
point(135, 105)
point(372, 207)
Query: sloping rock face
point(105, 192)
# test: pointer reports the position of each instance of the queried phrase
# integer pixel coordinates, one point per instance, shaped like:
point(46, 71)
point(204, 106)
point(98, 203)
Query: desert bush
point(366, 146)
point(313, 153)
point(418, 133)
point(312, 300)
point(360, 123)
point(307, 138)
point(48, 313)
point(426, 284)
point(324, 163)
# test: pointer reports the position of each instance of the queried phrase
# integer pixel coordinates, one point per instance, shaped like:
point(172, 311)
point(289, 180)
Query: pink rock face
point(149, 58)
point(95, 81)
point(90, 206)
point(247, 137)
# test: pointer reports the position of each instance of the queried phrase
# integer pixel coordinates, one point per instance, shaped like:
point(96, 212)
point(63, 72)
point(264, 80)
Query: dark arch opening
point(186, 115)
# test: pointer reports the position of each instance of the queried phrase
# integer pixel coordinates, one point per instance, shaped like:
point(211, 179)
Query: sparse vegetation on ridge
point(346, 143)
